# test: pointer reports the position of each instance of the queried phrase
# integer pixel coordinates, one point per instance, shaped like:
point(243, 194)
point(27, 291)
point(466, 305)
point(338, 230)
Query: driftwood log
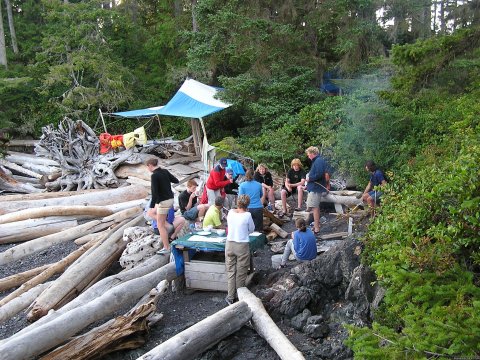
point(105, 197)
point(81, 273)
point(9, 184)
point(44, 242)
point(29, 229)
point(123, 332)
point(55, 332)
point(101, 287)
point(21, 302)
point(46, 274)
point(96, 211)
point(203, 335)
point(18, 279)
point(266, 327)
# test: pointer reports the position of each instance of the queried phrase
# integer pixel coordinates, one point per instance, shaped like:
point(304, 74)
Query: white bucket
point(276, 261)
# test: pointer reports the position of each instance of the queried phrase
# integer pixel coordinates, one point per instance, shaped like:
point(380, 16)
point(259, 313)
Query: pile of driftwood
point(68, 158)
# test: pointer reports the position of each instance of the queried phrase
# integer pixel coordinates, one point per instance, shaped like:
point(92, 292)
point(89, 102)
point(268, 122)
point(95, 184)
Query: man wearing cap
point(217, 180)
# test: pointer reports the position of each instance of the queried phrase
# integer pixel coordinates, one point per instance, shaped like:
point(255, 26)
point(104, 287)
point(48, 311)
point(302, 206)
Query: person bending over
point(303, 244)
point(371, 196)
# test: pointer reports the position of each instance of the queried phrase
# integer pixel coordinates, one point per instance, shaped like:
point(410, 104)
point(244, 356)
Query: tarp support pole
point(103, 121)
point(197, 137)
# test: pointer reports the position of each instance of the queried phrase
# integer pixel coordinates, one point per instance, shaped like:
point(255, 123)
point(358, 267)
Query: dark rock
point(316, 330)
point(316, 319)
point(300, 320)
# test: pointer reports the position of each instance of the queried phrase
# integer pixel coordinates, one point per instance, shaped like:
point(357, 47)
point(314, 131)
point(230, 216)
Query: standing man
point(318, 184)
point(162, 197)
point(217, 180)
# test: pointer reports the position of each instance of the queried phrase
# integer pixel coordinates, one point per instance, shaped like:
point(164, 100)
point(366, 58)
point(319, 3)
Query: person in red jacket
point(217, 180)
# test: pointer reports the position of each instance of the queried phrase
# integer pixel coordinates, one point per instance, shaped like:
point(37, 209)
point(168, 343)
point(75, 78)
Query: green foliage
point(425, 243)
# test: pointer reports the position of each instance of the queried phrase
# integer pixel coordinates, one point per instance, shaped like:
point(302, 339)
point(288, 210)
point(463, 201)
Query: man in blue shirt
point(377, 178)
point(318, 184)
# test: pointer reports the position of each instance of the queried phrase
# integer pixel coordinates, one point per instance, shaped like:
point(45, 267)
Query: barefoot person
point(162, 197)
point(318, 184)
point(237, 247)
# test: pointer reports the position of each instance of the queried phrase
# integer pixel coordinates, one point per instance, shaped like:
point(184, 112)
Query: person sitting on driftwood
point(294, 183)
point(187, 201)
point(371, 196)
point(174, 222)
point(303, 244)
point(213, 217)
point(237, 247)
point(216, 181)
point(162, 197)
point(264, 177)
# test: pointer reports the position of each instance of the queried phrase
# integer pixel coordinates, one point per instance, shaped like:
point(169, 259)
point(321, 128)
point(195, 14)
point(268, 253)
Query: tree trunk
point(18, 279)
point(124, 332)
point(80, 274)
point(11, 26)
point(20, 169)
point(105, 197)
point(96, 211)
point(266, 327)
point(3, 48)
point(29, 229)
point(55, 332)
point(203, 335)
point(21, 158)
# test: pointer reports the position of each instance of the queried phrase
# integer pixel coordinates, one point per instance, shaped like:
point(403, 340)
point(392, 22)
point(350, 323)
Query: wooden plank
point(205, 285)
point(205, 266)
point(183, 160)
point(206, 276)
point(342, 235)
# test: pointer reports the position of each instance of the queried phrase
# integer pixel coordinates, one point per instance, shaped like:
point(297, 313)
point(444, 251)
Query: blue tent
point(192, 100)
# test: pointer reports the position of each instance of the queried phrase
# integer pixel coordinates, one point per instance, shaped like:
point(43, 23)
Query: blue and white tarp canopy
point(192, 100)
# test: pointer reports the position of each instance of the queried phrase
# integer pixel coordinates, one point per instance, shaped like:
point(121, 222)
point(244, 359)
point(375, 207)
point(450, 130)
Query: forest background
point(409, 71)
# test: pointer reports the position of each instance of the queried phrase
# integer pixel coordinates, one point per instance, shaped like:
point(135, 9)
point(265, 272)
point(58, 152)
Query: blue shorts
point(375, 195)
point(191, 214)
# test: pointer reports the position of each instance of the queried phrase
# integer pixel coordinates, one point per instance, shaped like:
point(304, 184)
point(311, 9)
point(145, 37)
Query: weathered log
point(272, 217)
point(29, 229)
point(96, 211)
point(336, 197)
point(282, 233)
point(139, 170)
point(271, 236)
point(56, 268)
point(44, 242)
point(124, 332)
point(338, 235)
point(132, 180)
point(49, 195)
point(101, 287)
point(80, 274)
point(55, 332)
point(21, 302)
point(19, 169)
point(8, 183)
point(29, 180)
point(21, 158)
point(15, 280)
point(203, 335)
point(266, 327)
point(105, 197)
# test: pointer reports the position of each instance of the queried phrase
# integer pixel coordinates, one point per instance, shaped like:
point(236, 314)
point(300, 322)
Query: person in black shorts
point(294, 183)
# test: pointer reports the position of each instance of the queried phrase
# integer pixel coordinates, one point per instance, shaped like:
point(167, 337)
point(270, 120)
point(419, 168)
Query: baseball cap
point(223, 162)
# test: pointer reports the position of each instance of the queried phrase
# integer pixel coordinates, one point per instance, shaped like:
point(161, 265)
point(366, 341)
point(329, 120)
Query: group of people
point(253, 193)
